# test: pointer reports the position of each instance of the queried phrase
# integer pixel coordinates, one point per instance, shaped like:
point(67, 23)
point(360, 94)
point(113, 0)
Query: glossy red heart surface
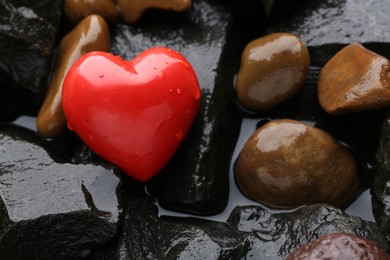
point(133, 114)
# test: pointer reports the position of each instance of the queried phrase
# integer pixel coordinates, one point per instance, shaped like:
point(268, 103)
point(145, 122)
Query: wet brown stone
point(355, 79)
point(91, 34)
point(286, 164)
point(339, 246)
point(273, 68)
point(131, 11)
point(77, 10)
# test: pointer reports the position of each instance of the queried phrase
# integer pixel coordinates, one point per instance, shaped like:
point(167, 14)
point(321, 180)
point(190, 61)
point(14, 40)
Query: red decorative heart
point(133, 113)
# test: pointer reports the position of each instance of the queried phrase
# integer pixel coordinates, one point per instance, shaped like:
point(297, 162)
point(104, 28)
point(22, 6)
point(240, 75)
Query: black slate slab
point(27, 37)
point(50, 209)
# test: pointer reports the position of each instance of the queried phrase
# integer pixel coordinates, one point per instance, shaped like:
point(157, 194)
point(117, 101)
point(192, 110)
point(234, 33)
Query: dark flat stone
point(48, 207)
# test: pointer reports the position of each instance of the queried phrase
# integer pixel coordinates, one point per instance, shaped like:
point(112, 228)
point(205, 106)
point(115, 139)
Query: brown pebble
point(91, 34)
point(131, 11)
point(286, 164)
point(339, 246)
point(77, 10)
point(355, 79)
point(273, 68)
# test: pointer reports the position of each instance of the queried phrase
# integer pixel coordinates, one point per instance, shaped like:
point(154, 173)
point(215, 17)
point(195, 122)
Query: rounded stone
point(286, 164)
point(77, 10)
point(91, 34)
point(273, 68)
point(339, 246)
point(355, 79)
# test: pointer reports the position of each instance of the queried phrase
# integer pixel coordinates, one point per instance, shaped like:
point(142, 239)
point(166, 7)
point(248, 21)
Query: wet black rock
point(27, 36)
point(327, 26)
point(381, 188)
point(61, 236)
point(51, 210)
point(196, 179)
point(250, 233)
point(275, 236)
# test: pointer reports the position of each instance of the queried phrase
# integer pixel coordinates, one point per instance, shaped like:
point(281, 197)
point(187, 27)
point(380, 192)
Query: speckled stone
point(355, 79)
point(339, 246)
point(77, 10)
point(286, 164)
point(91, 34)
point(273, 68)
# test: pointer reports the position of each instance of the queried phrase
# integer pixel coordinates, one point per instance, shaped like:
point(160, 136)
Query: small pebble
point(286, 164)
point(355, 79)
point(273, 68)
point(91, 34)
point(132, 11)
point(77, 10)
point(339, 246)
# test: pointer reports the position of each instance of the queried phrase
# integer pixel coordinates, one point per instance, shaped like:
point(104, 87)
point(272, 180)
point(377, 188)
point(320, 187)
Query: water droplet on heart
point(178, 91)
point(179, 135)
point(170, 90)
point(69, 126)
point(101, 76)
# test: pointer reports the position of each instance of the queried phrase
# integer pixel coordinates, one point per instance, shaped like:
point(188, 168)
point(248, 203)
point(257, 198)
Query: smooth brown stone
point(273, 68)
point(339, 246)
point(77, 10)
point(91, 34)
point(286, 164)
point(355, 79)
point(131, 11)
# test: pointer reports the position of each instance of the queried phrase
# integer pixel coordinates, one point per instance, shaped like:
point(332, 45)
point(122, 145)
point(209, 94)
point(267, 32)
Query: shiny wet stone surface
point(326, 26)
point(45, 204)
point(250, 232)
point(287, 164)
